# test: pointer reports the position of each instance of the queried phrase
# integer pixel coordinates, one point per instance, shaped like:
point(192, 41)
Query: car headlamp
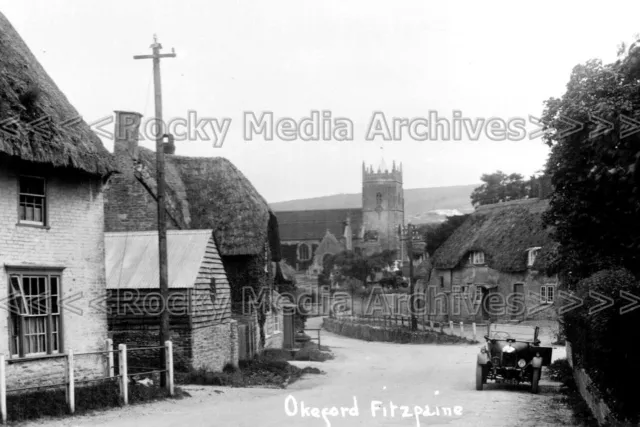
point(522, 363)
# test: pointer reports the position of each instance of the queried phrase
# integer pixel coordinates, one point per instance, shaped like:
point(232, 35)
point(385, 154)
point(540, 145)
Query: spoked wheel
point(481, 377)
point(535, 379)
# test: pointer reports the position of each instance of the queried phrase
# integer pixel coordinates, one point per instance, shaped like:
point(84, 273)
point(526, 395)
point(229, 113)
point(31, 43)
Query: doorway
point(517, 306)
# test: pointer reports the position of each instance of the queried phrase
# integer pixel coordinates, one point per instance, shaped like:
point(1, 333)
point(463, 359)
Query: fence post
point(451, 326)
point(474, 331)
point(71, 387)
point(110, 367)
point(169, 367)
point(461, 330)
point(3, 390)
point(318, 339)
point(124, 376)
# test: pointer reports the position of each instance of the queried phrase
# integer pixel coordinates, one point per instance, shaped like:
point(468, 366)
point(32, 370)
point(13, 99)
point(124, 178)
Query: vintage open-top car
point(509, 356)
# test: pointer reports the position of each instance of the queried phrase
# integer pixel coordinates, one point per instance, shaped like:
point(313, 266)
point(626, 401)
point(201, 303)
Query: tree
point(595, 169)
point(594, 209)
point(499, 187)
point(436, 234)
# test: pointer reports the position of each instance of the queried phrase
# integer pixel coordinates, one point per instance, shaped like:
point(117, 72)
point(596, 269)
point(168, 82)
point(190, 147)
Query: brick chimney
point(125, 146)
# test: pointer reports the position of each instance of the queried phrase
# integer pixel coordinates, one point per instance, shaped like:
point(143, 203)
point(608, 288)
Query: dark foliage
point(603, 342)
point(52, 402)
point(499, 187)
point(594, 210)
point(436, 234)
point(269, 369)
point(595, 204)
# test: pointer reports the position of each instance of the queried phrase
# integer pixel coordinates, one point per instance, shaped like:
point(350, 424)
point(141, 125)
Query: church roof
point(313, 225)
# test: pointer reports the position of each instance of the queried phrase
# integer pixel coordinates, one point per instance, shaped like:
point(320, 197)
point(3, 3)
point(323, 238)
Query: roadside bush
point(561, 371)
point(52, 402)
point(604, 342)
point(269, 369)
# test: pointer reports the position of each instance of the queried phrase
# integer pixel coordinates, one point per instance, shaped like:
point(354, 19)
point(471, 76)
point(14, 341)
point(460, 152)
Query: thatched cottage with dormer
point(494, 266)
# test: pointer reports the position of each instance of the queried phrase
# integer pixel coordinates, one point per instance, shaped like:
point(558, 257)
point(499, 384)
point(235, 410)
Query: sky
point(350, 59)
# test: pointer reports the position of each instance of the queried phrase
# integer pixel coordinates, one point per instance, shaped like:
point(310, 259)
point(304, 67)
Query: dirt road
point(392, 374)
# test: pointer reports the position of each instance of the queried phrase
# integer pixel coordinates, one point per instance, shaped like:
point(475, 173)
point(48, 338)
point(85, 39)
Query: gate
point(246, 342)
point(289, 330)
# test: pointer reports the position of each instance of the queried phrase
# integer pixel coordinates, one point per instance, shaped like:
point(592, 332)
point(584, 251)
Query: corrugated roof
point(132, 258)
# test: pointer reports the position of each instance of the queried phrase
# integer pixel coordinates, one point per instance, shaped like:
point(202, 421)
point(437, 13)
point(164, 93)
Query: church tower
point(382, 207)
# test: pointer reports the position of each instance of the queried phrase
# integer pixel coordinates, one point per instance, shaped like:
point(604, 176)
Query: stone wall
point(598, 407)
point(73, 239)
point(449, 302)
point(390, 334)
point(215, 346)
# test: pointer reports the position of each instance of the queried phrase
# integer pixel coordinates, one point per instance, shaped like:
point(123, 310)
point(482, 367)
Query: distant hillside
point(421, 205)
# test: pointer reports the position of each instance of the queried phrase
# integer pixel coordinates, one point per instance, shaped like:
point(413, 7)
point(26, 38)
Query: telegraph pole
point(407, 233)
point(412, 287)
point(162, 221)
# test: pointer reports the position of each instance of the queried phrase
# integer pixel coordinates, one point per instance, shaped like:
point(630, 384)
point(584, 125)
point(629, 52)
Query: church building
point(307, 237)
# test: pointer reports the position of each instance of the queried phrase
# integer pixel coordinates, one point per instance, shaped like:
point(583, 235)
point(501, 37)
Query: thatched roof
point(504, 232)
point(211, 193)
point(37, 122)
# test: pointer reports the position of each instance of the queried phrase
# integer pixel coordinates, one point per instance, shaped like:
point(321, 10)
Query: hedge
point(605, 342)
point(392, 334)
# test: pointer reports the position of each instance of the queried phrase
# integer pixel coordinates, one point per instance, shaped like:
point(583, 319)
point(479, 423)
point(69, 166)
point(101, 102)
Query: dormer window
point(531, 256)
point(477, 257)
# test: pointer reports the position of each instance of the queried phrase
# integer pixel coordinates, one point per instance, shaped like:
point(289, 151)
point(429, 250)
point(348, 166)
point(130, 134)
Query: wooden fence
point(469, 330)
point(70, 382)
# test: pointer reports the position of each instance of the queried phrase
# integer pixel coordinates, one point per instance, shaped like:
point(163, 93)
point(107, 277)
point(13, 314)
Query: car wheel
point(480, 377)
point(535, 379)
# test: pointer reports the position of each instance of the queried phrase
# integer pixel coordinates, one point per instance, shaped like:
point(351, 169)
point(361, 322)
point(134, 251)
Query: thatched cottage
point(52, 172)
point(203, 193)
point(493, 266)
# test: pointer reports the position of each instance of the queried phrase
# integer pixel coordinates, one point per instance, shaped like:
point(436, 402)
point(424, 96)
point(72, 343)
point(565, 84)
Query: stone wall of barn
point(215, 346)
point(72, 238)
